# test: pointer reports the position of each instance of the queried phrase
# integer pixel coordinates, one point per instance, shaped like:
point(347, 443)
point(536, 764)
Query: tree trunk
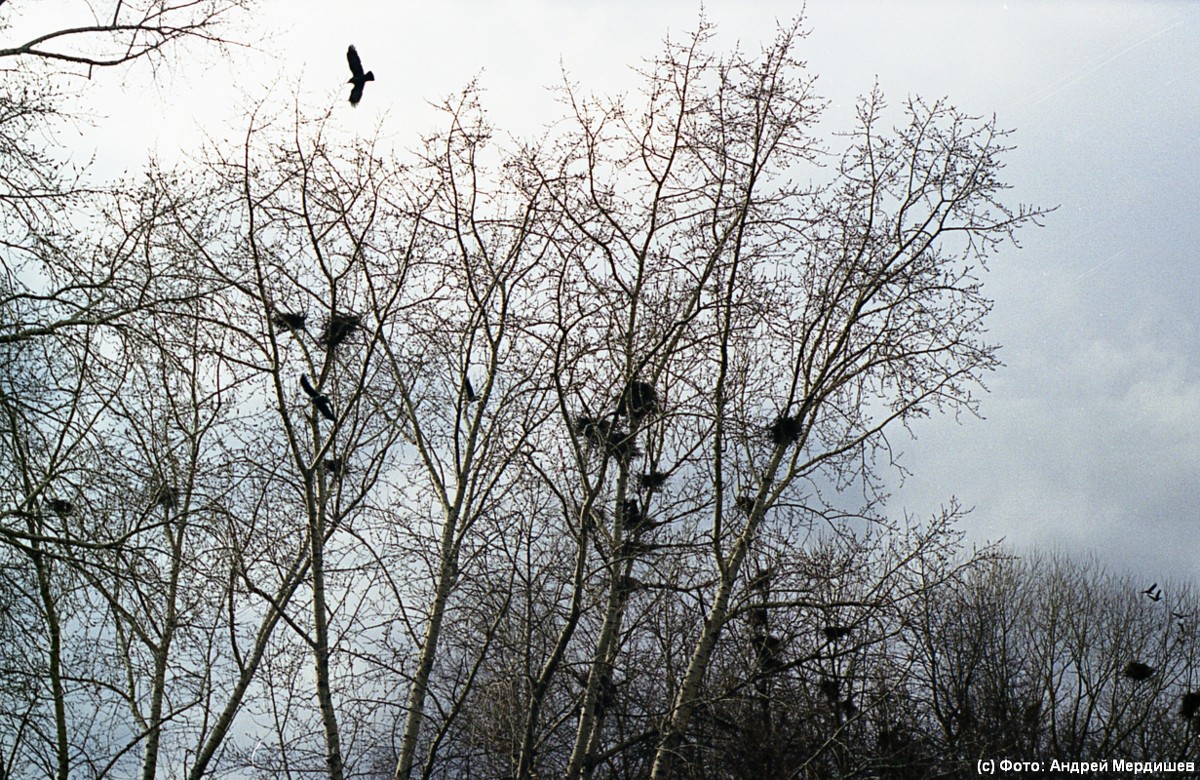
point(420, 685)
point(162, 654)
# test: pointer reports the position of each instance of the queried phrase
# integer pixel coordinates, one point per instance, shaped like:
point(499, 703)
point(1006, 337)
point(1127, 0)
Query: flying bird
point(357, 77)
point(320, 400)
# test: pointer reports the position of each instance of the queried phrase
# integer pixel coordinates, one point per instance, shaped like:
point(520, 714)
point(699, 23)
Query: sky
point(1092, 433)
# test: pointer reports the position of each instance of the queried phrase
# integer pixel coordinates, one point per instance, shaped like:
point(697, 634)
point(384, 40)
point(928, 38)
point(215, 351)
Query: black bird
point(60, 507)
point(469, 390)
point(1190, 705)
point(357, 77)
point(320, 400)
point(323, 406)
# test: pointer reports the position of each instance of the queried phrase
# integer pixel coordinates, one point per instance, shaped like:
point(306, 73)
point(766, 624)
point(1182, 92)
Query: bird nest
point(339, 328)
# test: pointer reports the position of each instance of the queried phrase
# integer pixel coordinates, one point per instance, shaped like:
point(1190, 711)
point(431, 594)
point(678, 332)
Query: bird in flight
point(357, 77)
point(1150, 592)
point(319, 400)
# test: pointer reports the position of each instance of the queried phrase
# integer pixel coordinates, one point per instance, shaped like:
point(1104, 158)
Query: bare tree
point(119, 32)
point(525, 461)
point(787, 327)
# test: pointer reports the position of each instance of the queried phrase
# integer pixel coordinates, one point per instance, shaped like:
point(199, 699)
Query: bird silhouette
point(320, 400)
point(1151, 594)
point(469, 390)
point(1150, 590)
point(357, 77)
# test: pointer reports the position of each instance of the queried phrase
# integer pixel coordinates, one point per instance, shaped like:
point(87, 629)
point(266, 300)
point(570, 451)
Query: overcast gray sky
point(1091, 439)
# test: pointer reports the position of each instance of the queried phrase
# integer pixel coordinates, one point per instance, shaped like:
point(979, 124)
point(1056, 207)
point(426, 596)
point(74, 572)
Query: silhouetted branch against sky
point(122, 31)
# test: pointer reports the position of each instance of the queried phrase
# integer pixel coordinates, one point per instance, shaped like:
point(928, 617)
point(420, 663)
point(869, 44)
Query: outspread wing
point(356, 93)
point(356, 68)
point(308, 389)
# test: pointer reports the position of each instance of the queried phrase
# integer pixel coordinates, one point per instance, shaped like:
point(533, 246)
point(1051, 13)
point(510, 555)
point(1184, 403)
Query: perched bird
point(469, 390)
point(1190, 705)
point(320, 400)
point(357, 77)
point(60, 507)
